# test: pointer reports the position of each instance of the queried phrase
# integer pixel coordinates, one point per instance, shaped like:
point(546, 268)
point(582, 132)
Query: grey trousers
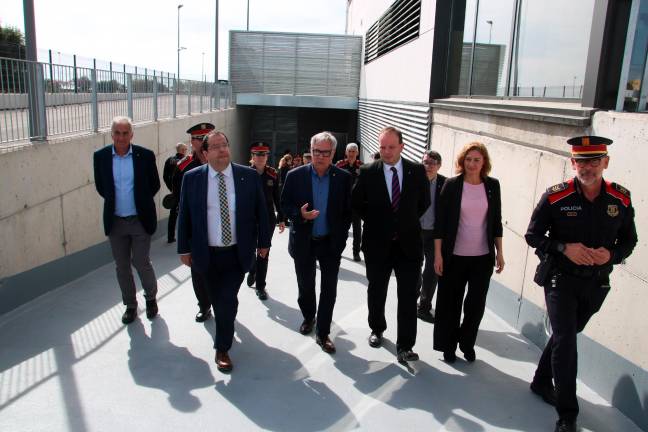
point(131, 244)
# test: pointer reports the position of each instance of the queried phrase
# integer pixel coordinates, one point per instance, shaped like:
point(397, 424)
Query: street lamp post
point(490, 30)
point(178, 75)
point(202, 67)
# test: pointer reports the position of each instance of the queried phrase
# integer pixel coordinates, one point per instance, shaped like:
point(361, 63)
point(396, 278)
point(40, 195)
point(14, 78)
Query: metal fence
point(41, 100)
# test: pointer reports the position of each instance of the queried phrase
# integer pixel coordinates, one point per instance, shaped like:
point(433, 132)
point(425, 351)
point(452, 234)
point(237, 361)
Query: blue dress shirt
point(320, 202)
point(124, 179)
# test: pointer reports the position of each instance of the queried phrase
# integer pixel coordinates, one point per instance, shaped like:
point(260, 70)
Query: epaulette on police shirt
point(182, 163)
point(619, 192)
point(341, 163)
point(557, 192)
point(271, 171)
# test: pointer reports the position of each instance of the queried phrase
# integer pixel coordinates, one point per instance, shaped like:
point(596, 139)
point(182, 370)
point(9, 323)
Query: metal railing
point(41, 100)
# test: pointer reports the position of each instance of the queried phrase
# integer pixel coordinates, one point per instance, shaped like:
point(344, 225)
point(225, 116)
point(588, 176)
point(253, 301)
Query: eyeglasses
point(430, 162)
point(260, 154)
point(324, 153)
point(200, 138)
point(591, 162)
point(217, 147)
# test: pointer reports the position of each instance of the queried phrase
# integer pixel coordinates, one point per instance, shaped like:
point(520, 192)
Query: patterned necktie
point(226, 228)
point(396, 192)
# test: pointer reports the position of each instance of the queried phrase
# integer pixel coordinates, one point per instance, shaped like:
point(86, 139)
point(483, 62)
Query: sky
point(144, 33)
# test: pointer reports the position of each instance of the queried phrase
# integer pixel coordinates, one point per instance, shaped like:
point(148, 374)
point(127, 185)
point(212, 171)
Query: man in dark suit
point(317, 200)
point(390, 196)
point(223, 220)
point(127, 178)
point(428, 282)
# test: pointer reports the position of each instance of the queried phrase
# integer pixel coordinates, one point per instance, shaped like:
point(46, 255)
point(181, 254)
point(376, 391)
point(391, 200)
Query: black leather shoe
point(405, 356)
point(356, 257)
point(449, 356)
point(171, 240)
point(469, 355)
point(251, 279)
point(262, 294)
point(326, 344)
point(425, 316)
point(563, 425)
point(307, 327)
point(151, 309)
point(375, 340)
point(129, 315)
point(203, 315)
point(546, 391)
point(223, 361)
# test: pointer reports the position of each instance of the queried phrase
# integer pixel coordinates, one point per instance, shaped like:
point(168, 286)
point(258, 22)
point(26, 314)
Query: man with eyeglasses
point(127, 179)
point(352, 164)
point(317, 200)
point(186, 164)
point(270, 183)
point(222, 222)
point(580, 228)
point(428, 281)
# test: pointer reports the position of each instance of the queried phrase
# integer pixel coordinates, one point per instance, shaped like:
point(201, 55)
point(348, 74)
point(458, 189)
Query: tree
point(12, 43)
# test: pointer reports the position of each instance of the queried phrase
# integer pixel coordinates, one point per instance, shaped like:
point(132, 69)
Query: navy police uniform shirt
point(270, 182)
point(353, 169)
point(569, 217)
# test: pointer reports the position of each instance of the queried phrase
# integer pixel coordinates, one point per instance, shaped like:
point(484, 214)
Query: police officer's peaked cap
point(200, 130)
point(259, 147)
point(589, 147)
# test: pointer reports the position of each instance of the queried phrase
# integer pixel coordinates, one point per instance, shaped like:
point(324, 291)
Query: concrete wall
point(404, 73)
point(614, 355)
point(50, 208)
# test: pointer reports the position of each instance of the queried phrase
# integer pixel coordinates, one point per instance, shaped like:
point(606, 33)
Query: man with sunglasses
point(186, 164)
point(270, 183)
point(317, 200)
point(580, 228)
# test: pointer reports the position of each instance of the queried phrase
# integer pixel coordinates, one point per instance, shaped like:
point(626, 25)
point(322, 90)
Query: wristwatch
point(560, 247)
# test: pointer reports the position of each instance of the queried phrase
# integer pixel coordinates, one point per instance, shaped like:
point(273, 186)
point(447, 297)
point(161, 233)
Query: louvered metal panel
point(412, 119)
point(295, 64)
point(397, 26)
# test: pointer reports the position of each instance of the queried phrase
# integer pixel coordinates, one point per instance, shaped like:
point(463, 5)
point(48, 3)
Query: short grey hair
point(324, 136)
point(179, 146)
point(352, 146)
point(119, 120)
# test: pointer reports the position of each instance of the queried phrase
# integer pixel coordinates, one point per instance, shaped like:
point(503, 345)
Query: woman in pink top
point(468, 244)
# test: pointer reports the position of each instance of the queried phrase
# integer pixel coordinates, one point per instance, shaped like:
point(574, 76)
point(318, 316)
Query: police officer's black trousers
point(475, 272)
point(260, 266)
point(356, 223)
point(171, 228)
point(571, 302)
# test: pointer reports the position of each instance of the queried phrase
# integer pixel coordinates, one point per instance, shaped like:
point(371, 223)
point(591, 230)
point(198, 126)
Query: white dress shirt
point(214, 227)
point(389, 174)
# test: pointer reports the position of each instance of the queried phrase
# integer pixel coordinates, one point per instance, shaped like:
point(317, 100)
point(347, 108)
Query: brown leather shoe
point(223, 361)
point(326, 344)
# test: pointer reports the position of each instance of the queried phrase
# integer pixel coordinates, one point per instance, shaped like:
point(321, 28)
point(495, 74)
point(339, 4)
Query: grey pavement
point(68, 364)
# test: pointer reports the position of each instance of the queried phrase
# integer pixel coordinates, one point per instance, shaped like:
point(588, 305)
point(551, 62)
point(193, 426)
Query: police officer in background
point(170, 170)
point(580, 229)
point(194, 160)
point(270, 182)
point(352, 164)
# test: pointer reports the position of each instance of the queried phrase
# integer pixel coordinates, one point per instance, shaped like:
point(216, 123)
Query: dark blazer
point(440, 181)
point(147, 184)
point(252, 229)
point(298, 190)
point(370, 199)
point(447, 217)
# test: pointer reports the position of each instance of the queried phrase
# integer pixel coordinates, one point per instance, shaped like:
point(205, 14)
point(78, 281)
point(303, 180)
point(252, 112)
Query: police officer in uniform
point(170, 169)
point(270, 182)
point(580, 229)
point(352, 164)
point(194, 160)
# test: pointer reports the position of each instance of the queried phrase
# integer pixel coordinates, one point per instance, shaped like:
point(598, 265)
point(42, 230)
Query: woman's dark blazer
point(447, 217)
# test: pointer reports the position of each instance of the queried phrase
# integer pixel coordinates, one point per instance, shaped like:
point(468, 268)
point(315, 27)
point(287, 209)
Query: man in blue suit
point(222, 221)
point(317, 199)
point(127, 179)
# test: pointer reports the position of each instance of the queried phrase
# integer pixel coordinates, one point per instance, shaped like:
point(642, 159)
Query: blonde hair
point(481, 148)
point(284, 160)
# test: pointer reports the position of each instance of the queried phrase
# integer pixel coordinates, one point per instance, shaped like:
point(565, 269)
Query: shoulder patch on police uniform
point(271, 171)
point(341, 163)
point(560, 191)
point(619, 192)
